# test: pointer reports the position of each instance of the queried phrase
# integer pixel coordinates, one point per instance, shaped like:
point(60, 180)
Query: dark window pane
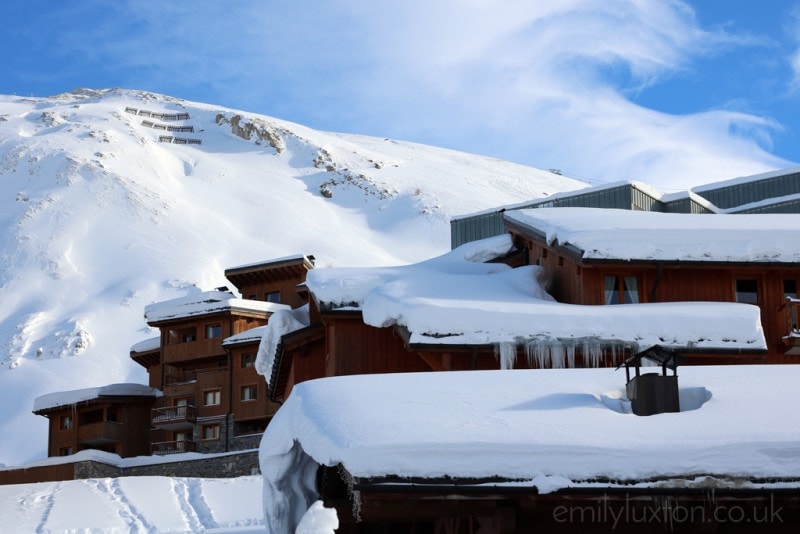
point(747, 291)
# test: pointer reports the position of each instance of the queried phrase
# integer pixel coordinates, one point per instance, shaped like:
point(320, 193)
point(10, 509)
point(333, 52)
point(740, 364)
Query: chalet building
point(204, 393)
point(598, 256)
point(112, 418)
point(745, 251)
point(485, 306)
point(204, 359)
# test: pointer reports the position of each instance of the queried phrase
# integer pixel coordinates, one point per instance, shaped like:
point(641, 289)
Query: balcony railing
point(174, 417)
point(172, 447)
point(792, 316)
point(185, 377)
point(791, 310)
point(99, 433)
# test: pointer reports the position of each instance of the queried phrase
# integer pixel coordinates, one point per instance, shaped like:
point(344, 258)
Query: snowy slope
point(135, 504)
point(99, 219)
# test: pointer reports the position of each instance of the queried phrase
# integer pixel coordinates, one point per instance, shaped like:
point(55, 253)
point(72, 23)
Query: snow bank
point(134, 504)
point(318, 520)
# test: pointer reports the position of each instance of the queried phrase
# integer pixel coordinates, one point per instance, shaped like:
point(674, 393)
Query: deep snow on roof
point(68, 398)
point(146, 345)
point(204, 303)
point(455, 299)
point(602, 234)
point(562, 426)
point(254, 334)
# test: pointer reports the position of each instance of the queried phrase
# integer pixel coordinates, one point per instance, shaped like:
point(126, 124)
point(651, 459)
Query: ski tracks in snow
point(195, 509)
point(109, 489)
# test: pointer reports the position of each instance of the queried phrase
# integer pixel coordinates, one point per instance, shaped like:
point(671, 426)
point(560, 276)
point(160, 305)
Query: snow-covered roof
point(248, 336)
point(205, 303)
point(455, 299)
point(560, 195)
point(543, 428)
point(745, 179)
point(609, 234)
point(68, 398)
point(284, 259)
point(147, 345)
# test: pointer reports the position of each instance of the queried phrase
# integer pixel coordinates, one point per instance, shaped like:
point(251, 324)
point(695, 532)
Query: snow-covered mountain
point(113, 199)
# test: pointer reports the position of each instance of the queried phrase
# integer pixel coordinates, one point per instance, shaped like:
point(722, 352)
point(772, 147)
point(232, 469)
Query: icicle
point(592, 353)
point(557, 355)
point(542, 356)
point(571, 355)
point(507, 354)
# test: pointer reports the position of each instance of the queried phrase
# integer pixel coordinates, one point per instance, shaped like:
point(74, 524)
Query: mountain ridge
point(101, 218)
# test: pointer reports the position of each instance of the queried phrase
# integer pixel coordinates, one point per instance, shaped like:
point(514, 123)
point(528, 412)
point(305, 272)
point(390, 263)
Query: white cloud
point(545, 83)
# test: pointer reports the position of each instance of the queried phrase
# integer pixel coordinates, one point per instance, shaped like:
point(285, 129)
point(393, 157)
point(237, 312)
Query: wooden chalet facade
point(578, 279)
point(114, 419)
point(338, 343)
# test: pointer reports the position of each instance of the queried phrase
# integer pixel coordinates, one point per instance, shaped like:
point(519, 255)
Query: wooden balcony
point(192, 350)
point(100, 433)
point(162, 448)
point(174, 417)
point(186, 377)
point(791, 309)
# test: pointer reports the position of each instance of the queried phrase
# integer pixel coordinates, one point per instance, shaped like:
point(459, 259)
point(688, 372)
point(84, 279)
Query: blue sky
point(668, 92)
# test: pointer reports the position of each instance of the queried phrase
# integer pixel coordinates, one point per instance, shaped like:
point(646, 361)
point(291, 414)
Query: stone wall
point(223, 466)
point(231, 465)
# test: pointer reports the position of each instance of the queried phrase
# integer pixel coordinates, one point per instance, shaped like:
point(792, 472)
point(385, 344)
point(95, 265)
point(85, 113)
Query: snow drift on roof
point(452, 300)
point(518, 424)
point(254, 334)
point(204, 303)
point(280, 323)
point(68, 398)
point(551, 427)
point(603, 234)
point(147, 345)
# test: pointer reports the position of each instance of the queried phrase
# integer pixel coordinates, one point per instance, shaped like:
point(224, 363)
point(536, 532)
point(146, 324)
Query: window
point(184, 335)
point(213, 331)
point(210, 432)
point(249, 393)
point(66, 423)
point(64, 451)
point(790, 289)
point(90, 417)
point(248, 361)
point(273, 296)
point(747, 291)
point(211, 397)
point(621, 289)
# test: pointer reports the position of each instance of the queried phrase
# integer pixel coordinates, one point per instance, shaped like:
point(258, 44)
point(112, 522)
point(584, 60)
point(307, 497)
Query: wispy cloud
point(547, 83)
